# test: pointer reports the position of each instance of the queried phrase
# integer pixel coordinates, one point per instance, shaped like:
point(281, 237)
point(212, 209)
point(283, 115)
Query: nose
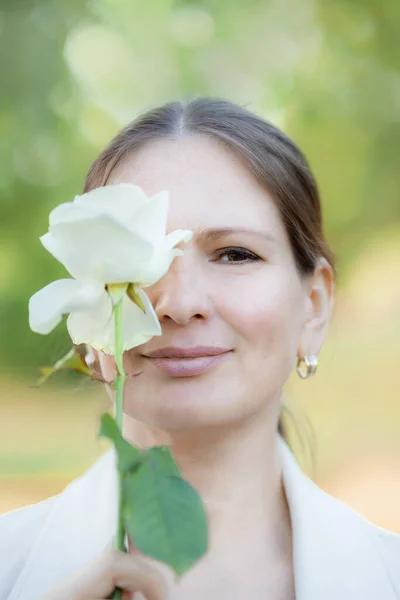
point(181, 295)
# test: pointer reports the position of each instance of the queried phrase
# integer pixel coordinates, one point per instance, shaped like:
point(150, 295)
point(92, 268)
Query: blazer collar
point(334, 552)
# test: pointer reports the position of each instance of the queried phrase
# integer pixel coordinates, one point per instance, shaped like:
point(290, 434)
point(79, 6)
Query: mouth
point(186, 367)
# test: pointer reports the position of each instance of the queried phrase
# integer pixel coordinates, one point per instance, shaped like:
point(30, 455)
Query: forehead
point(209, 185)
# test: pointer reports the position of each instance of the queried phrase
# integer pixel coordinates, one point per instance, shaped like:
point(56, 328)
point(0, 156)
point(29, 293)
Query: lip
point(186, 367)
point(194, 352)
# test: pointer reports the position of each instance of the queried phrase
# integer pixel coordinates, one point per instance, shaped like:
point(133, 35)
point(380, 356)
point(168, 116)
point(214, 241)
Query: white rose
point(113, 234)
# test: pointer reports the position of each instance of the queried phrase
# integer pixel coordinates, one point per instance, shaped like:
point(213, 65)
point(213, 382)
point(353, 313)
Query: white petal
point(150, 221)
point(120, 200)
point(178, 236)
point(96, 326)
point(47, 306)
point(98, 250)
point(163, 257)
point(51, 246)
point(139, 327)
point(69, 211)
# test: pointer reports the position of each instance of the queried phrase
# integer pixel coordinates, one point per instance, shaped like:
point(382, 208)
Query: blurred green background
point(328, 73)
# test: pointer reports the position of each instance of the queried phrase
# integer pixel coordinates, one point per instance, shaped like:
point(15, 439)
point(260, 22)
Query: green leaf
point(162, 460)
point(129, 457)
point(164, 516)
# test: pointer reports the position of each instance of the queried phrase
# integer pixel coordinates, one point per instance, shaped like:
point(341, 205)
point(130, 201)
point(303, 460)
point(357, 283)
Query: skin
point(220, 423)
point(98, 578)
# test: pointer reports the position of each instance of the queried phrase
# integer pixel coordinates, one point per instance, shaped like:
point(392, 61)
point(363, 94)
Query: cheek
point(107, 365)
point(265, 313)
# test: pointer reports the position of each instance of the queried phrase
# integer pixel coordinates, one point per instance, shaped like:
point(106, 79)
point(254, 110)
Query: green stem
point(119, 542)
point(119, 361)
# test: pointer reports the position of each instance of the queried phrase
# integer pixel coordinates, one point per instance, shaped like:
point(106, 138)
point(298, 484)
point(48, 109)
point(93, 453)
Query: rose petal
point(163, 257)
point(96, 326)
point(139, 327)
point(98, 250)
point(47, 306)
point(150, 221)
point(120, 201)
point(177, 236)
point(69, 211)
point(51, 246)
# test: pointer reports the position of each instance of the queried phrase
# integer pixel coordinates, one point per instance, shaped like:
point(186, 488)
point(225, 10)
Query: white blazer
point(337, 554)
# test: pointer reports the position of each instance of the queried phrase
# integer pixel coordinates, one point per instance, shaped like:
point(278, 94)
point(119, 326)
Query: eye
point(244, 255)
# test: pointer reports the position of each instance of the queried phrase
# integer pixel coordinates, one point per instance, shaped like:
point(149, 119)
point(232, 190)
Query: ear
point(320, 290)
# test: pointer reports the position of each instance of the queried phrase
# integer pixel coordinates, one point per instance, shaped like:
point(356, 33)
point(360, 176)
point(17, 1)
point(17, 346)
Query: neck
point(237, 472)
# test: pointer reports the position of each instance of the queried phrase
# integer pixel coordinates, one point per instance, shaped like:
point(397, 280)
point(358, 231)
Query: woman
point(255, 285)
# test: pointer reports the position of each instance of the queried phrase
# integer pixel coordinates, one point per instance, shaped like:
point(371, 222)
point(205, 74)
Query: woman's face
point(238, 290)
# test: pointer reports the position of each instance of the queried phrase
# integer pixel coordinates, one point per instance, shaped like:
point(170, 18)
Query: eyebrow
point(218, 232)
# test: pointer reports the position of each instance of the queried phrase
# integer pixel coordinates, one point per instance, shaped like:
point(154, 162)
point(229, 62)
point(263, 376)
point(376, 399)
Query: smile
point(185, 367)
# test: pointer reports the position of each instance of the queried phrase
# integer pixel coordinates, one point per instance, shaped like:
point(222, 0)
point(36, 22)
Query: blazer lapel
point(81, 525)
point(334, 553)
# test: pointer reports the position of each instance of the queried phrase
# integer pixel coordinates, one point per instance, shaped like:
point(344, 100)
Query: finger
point(99, 578)
point(130, 573)
point(136, 574)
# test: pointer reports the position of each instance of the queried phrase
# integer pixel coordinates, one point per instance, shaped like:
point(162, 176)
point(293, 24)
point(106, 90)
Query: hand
point(98, 579)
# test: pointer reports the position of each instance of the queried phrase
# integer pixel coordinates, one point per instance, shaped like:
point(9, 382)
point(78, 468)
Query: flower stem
point(121, 376)
point(119, 542)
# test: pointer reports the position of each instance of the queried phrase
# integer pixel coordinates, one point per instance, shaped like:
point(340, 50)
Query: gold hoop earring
point(311, 363)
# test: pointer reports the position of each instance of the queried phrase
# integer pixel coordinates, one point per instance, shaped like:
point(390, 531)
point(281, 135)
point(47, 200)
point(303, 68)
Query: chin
point(183, 413)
